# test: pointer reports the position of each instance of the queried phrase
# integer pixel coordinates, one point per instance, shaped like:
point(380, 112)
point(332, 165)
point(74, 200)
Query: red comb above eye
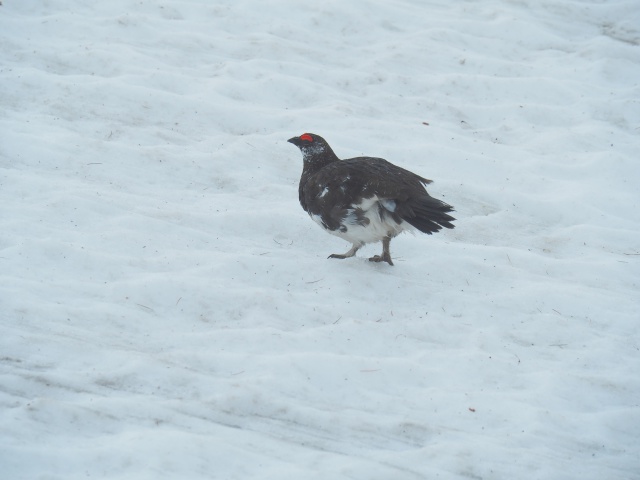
point(306, 137)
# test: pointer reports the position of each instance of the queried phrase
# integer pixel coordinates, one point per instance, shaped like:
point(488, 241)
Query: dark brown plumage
point(365, 199)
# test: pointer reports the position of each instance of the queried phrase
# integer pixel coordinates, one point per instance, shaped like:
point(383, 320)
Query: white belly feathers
point(378, 227)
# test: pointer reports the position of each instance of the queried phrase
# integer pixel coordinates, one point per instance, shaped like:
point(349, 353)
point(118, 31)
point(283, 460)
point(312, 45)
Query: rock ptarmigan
point(365, 199)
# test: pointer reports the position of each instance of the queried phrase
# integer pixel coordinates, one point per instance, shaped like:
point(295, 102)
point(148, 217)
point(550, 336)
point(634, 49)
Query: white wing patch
point(388, 204)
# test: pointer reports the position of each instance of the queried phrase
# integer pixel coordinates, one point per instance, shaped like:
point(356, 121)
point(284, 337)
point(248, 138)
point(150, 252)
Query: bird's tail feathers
point(427, 214)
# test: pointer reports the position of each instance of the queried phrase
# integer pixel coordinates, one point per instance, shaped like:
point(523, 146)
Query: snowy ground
point(167, 308)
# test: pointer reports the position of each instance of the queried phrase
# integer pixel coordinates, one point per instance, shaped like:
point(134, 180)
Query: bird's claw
point(381, 258)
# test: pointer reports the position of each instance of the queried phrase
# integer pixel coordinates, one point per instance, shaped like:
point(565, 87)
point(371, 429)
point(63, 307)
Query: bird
point(365, 199)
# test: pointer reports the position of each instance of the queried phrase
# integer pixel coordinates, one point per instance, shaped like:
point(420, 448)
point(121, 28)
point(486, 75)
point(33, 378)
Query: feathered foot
point(349, 254)
point(386, 255)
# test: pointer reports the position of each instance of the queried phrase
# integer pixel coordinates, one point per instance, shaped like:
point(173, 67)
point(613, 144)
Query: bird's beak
point(295, 141)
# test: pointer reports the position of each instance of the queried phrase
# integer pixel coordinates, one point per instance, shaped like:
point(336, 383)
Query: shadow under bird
point(365, 199)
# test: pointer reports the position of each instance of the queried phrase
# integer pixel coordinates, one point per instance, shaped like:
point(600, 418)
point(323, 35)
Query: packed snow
point(168, 310)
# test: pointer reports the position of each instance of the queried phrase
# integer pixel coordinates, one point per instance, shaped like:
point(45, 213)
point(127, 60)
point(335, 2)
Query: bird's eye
point(306, 137)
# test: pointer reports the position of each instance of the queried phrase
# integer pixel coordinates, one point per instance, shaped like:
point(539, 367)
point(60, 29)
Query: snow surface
point(168, 310)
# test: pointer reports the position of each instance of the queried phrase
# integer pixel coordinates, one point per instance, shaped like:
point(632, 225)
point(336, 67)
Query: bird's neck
point(315, 160)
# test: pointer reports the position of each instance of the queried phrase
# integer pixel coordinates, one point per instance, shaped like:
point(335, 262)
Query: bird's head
point(311, 145)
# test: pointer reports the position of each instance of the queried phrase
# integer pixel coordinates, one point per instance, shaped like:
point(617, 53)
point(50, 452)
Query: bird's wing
point(334, 191)
point(403, 193)
point(376, 176)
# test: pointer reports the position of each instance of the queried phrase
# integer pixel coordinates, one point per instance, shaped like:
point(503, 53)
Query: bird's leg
point(386, 255)
point(350, 253)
